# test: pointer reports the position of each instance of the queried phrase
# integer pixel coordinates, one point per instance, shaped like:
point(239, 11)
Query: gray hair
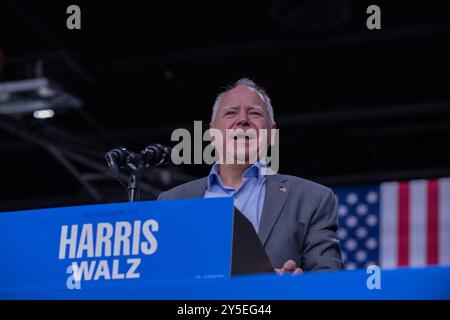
point(248, 83)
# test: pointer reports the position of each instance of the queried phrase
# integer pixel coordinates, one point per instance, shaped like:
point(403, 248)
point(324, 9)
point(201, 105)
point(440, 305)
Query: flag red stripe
point(403, 224)
point(433, 220)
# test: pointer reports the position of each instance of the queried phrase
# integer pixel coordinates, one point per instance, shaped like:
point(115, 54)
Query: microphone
point(153, 155)
point(156, 155)
point(116, 158)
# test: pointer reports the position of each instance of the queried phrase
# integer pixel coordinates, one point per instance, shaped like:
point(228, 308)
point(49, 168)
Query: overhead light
point(43, 114)
point(22, 97)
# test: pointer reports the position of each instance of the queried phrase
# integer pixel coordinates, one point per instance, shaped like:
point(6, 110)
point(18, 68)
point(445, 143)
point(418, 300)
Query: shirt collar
point(252, 171)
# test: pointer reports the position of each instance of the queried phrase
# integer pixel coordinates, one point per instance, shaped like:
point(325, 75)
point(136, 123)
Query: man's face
point(242, 110)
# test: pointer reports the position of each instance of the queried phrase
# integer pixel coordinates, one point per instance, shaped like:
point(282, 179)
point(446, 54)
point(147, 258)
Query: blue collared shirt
point(248, 198)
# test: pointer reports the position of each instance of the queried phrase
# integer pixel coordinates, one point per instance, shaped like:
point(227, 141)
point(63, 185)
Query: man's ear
point(274, 126)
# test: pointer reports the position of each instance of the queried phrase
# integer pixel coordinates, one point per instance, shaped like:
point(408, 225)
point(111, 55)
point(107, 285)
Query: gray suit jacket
point(298, 221)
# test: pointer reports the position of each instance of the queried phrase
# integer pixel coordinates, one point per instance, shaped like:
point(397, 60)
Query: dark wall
point(353, 105)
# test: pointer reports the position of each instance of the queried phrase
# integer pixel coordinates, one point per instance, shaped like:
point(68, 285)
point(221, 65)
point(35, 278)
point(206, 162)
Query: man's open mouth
point(242, 136)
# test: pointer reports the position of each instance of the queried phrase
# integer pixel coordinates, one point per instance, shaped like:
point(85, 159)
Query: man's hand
point(289, 267)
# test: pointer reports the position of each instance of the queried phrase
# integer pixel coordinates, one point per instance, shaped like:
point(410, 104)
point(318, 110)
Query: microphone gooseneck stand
point(133, 184)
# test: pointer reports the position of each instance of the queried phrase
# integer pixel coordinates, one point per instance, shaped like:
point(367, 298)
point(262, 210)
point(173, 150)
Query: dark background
point(354, 106)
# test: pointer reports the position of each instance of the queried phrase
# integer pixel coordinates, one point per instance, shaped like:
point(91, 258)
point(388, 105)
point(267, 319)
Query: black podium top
point(248, 254)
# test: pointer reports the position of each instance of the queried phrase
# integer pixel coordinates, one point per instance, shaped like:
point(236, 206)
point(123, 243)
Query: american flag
point(395, 224)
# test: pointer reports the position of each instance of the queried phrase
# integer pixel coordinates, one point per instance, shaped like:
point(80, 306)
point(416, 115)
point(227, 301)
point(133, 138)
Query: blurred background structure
point(354, 106)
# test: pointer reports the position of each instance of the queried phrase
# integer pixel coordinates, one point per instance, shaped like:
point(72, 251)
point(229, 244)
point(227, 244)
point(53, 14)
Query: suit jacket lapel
point(275, 198)
point(198, 189)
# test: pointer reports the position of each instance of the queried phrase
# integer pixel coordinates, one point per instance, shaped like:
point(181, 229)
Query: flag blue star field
point(395, 224)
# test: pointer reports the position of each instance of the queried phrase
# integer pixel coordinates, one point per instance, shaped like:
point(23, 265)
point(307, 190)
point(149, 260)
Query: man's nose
point(243, 119)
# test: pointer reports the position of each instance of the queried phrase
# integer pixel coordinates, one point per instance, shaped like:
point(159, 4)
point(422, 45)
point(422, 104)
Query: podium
point(173, 249)
point(85, 247)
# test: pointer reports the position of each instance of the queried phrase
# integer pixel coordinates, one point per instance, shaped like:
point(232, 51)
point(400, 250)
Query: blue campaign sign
point(120, 244)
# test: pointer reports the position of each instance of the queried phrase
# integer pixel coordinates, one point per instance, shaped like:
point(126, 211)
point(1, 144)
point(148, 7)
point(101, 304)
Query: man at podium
point(295, 219)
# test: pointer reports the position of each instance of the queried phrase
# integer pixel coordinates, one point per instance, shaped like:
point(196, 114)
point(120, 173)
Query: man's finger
point(297, 271)
point(279, 271)
point(290, 265)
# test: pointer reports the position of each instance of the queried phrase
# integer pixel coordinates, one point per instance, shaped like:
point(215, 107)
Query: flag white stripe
point(444, 221)
point(418, 223)
point(388, 224)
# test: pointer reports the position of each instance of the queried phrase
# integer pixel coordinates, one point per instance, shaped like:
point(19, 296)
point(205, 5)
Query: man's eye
point(229, 113)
